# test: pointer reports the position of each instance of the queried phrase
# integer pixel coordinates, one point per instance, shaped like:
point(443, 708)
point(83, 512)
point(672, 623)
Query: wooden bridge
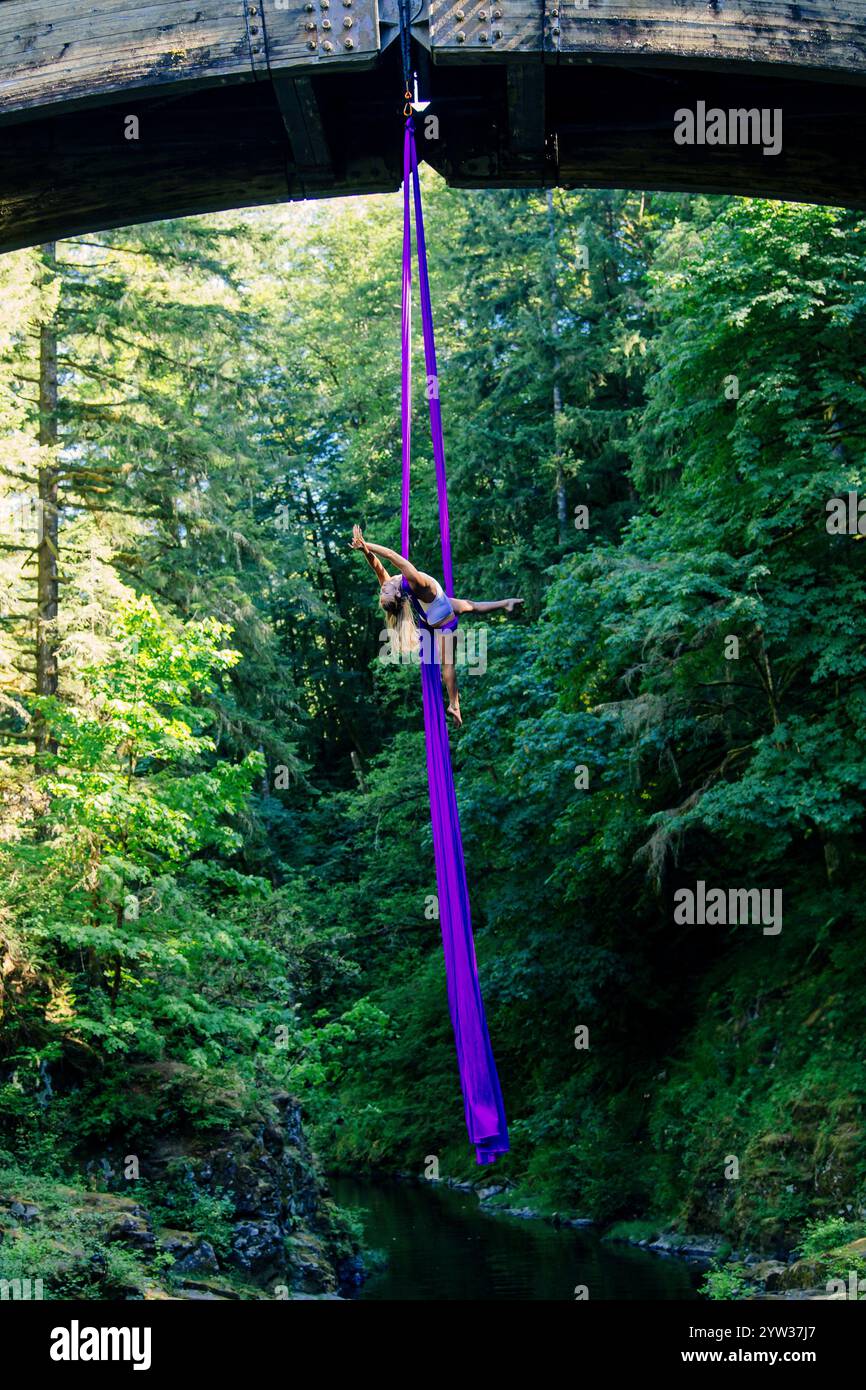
point(117, 111)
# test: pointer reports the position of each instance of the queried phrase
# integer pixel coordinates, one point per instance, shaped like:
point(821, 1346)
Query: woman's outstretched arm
point(358, 543)
point(420, 581)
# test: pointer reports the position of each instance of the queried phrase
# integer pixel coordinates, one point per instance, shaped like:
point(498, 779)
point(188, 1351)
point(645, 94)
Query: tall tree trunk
point(561, 508)
point(47, 544)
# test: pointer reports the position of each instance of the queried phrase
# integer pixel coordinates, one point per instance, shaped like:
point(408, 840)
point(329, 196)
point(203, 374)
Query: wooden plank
point(821, 35)
point(470, 31)
point(62, 51)
point(816, 34)
point(525, 97)
point(303, 122)
point(72, 50)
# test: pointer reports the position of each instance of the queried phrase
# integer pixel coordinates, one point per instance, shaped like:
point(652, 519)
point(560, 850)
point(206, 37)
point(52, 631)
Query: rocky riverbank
point(233, 1214)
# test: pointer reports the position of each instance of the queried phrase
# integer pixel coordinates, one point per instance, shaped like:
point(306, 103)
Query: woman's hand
point(358, 542)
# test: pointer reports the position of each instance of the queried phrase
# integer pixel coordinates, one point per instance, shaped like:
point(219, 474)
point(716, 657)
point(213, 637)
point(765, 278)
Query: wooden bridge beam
point(302, 119)
point(253, 101)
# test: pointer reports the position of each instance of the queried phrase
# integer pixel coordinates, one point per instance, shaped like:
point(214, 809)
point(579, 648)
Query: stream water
point(440, 1245)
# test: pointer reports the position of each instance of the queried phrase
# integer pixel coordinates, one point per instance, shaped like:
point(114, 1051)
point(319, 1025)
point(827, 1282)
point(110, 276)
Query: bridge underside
point(270, 124)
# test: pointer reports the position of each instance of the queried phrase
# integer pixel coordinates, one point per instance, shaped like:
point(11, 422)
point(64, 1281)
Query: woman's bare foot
point(511, 604)
point(455, 710)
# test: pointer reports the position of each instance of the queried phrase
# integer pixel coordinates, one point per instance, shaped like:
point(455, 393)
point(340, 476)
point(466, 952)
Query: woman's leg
point(472, 605)
point(449, 672)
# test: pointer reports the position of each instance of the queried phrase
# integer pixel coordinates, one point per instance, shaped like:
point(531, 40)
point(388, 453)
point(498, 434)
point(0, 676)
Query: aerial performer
point(411, 599)
point(411, 594)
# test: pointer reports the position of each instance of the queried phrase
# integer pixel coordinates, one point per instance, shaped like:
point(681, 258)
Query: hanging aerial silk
point(482, 1097)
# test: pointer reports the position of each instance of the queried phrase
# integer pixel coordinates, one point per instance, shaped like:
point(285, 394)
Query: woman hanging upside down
point(411, 593)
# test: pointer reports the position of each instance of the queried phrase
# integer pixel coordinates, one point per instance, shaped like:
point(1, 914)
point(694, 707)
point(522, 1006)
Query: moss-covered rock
point(243, 1203)
point(803, 1274)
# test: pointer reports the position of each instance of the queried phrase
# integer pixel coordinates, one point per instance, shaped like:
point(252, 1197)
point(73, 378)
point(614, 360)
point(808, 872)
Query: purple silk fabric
point(482, 1097)
point(406, 347)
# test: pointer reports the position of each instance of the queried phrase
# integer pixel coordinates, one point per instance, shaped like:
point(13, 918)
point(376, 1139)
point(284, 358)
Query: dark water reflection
point(441, 1246)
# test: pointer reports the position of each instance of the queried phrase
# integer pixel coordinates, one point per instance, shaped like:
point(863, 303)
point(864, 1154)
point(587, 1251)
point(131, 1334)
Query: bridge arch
point(241, 102)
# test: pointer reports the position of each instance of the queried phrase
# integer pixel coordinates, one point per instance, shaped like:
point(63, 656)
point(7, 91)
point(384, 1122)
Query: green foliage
point(130, 801)
point(217, 883)
point(347, 1233)
point(828, 1249)
point(723, 1284)
point(178, 1202)
point(822, 1237)
point(65, 1247)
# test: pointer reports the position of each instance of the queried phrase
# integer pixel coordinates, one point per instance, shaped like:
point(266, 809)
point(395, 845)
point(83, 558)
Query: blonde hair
point(403, 623)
